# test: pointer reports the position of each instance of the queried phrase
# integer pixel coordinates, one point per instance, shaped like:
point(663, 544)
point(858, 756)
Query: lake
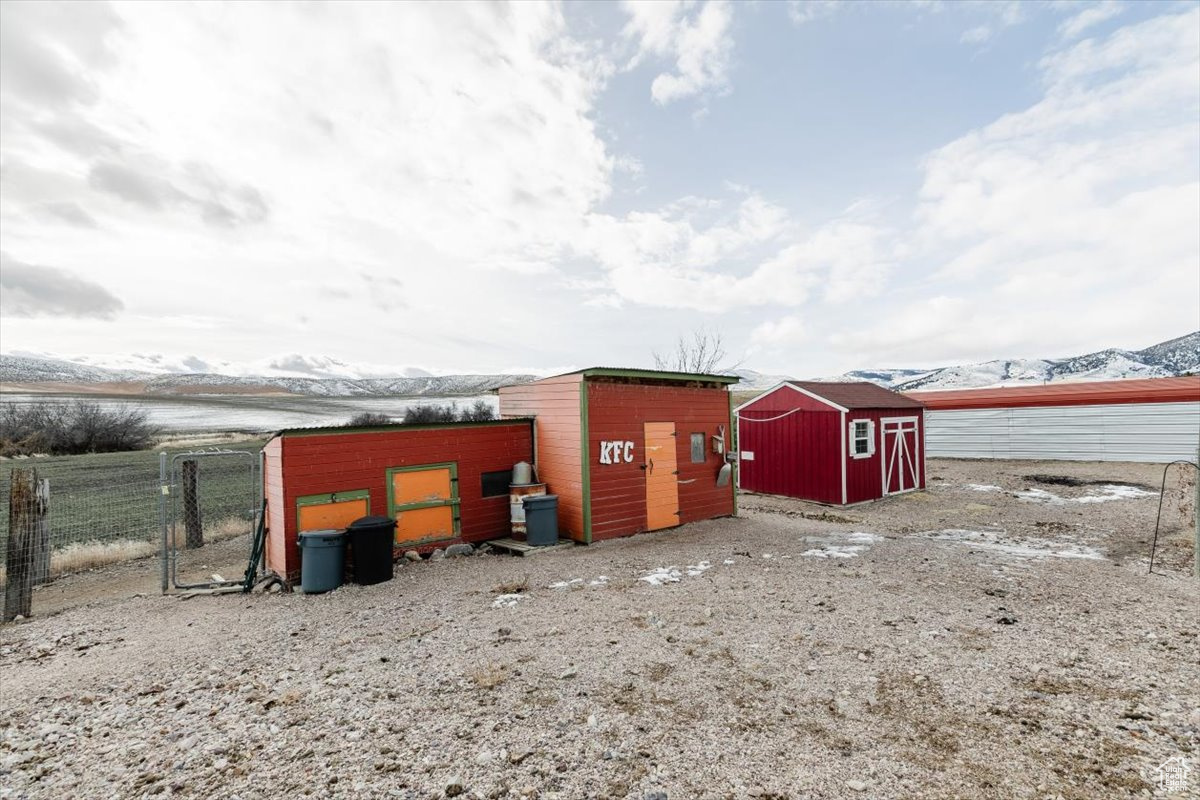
point(252, 413)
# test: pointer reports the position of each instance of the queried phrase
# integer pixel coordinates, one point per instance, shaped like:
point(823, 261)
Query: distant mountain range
point(326, 377)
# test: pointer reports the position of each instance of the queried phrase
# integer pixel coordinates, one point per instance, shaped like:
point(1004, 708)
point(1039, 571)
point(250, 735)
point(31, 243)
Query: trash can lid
point(370, 522)
point(535, 499)
point(326, 532)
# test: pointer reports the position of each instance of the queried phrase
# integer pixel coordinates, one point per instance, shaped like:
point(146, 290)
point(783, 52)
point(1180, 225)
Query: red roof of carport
point(857, 394)
point(1081, 393)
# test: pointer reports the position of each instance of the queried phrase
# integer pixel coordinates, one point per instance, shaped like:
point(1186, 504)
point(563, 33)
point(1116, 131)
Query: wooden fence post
point(193, 525)
point(41, 531)
point(18, 561)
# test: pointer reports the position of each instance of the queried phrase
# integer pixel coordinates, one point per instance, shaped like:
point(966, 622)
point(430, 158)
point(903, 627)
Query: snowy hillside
point(1174, 357)
point(328, 377)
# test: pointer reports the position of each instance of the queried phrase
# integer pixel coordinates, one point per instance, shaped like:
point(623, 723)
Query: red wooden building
point(836, 443)
point(442, 483)
point(628, 450)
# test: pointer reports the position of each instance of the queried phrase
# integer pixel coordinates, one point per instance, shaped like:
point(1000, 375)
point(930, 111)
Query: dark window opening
point(495, 484)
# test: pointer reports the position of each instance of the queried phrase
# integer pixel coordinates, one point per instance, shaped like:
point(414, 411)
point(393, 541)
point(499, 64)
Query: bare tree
point(702, 352)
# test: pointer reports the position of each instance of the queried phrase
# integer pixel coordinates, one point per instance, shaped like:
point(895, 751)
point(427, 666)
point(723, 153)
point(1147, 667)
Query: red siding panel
point(340, 462)
point(800, 454)
point(618, 412)
point(554, 404)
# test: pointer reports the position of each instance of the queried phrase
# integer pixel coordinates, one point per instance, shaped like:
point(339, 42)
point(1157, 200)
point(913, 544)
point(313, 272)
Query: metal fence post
point(163, 491)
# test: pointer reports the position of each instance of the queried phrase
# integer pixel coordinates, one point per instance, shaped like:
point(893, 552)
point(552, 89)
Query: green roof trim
point(397, 426)
point(618, 372)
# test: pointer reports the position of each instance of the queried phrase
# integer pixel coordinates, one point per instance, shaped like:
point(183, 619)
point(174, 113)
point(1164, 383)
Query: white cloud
point(784, 332)
point(698, 38)
point(1076, 24)
point(976, 35)
point(691, 255)
point(1000, 15)
point(802, 12)
point(1071, 221)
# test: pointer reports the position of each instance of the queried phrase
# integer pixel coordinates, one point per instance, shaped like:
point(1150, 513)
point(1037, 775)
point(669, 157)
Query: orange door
point(424, 502)
point(318, 514)
point(662, 477)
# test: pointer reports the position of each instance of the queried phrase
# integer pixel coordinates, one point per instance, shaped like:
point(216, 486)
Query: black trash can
point(541, 519)
point(371, 548)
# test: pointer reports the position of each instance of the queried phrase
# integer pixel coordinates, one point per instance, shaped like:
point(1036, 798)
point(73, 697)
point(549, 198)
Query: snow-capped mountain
point(329, 377)
point(1174, 357)
point(24, 369)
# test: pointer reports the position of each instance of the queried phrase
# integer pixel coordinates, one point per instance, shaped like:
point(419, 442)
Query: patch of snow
point(1038, 496)
point(1108, 492)
point(1115, 492)
point(768, 555)
point(601, 580)
point(727, 561)
point(565, 584)
point(847, 546)
point(835, 551)
point(662, 575)
point(507, 600)
point(1028, 548)
point(982, 487)
point(698, 569)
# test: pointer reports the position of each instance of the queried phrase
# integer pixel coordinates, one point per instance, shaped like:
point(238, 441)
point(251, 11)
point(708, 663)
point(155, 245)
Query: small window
point(862, 438)
point(495, 484)
point(697, 448)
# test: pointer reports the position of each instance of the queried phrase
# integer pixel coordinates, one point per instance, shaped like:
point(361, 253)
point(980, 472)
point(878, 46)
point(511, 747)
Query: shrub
point(480, 412)
point(432, 413)
point(367, 418)
point(429, 413)
point(71, 428)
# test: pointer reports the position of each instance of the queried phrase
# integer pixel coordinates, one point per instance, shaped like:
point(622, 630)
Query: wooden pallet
point(516, 548)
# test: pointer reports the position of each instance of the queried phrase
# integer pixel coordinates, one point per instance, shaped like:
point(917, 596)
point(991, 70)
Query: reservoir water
point(251, 413)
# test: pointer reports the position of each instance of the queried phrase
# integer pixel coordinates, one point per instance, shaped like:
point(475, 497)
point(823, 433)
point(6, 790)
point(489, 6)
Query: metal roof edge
point(395, 426)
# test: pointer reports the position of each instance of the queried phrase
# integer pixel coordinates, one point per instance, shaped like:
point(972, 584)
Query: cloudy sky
point(485, 187)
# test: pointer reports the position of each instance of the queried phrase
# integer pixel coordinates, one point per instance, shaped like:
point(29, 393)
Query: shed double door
point(901, 454)
point(662, 476)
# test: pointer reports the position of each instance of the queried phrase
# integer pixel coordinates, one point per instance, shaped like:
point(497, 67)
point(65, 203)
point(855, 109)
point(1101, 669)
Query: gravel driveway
point(995, 636)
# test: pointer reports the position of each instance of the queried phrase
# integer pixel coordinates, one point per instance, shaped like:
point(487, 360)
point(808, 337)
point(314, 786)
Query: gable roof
point(856, 394)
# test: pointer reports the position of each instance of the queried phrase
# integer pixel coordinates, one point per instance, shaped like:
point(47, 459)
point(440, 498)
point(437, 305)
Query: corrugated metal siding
point(618, 412)
point(555, 405)
point(1152, 432)
point(344, 462)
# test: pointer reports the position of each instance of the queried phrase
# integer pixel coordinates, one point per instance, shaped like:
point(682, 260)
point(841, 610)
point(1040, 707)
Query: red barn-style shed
point(626, 450)
point(442, 483)
point(836, 443)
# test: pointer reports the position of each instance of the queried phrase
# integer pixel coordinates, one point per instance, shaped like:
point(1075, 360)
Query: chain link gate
point(209, 507)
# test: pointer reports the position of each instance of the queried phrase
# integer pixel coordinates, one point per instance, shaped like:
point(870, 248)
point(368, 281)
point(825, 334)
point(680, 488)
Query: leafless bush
point(72, 428)
point(479, 412)
point(368, 418)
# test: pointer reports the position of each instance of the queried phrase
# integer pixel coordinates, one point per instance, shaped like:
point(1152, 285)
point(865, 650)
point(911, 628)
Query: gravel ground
point(962, 642)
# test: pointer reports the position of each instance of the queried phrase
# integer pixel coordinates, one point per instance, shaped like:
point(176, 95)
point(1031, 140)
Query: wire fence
point(79, 513)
